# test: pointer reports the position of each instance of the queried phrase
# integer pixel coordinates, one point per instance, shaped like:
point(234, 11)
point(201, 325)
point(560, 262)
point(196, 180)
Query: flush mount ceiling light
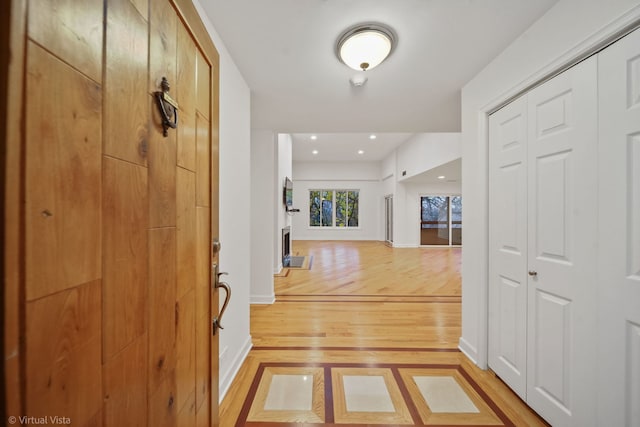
point(365, 46)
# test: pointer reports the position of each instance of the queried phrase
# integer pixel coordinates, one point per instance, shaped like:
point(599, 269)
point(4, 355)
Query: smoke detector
point(358, 80)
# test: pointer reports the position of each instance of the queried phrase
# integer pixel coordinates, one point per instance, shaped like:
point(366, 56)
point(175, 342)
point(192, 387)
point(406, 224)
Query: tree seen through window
point(323, 214)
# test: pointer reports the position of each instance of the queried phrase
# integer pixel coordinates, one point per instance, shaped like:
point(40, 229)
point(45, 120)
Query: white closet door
point(563, 205)
point(619, 225)
point(508, 245)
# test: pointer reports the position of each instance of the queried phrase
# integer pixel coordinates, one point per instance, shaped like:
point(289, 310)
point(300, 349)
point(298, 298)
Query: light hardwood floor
point(363, 306)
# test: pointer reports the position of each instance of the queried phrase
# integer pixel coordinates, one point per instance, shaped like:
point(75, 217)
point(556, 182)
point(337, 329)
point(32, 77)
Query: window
point(333, 208)
point(441, 220)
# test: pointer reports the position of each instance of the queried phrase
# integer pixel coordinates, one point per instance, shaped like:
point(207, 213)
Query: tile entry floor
point(359, 394)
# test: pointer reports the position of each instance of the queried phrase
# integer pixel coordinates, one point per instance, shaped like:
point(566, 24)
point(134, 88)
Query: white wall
point(283, 170)
point(424, 151)
point(263, 172)
point(338, 176)
point(235, 208)
point(388, 169)
point(420, 153)
point(569, 29)
point(388, 187)
point(408, 233)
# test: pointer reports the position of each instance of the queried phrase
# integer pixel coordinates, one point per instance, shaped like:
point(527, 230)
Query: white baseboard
point(228, 377)
point(262, 299)
point(278, 269)
point(468, 350)
point(404, 245)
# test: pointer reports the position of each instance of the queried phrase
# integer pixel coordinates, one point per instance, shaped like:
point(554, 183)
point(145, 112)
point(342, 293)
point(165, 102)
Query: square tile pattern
point(348, 394)
point(366, 394)
point(444, 394)
point(290, 393)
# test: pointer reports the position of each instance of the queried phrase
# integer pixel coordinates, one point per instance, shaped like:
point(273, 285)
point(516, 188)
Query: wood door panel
point(186, 350)
point(142, 6)
point(203, 414)
point(71, 30)
point(203, 260)
point(126, 105)
point(63, 353)
point(203, 88)
point(97, 420)
point(203, 162)
point(186, 69)
point(63, 152)
point(162, 45)
point(162, 173)
point(162, 404)
point(186, 234)
point(203, 315)
point(125, 386)
point(186, 156)
point(13, 385)
point(162, 302)
point(13, 55)
point(187, 415)
point(125, 253)
point(117, 254)
point(203, 378)
point(186, 96)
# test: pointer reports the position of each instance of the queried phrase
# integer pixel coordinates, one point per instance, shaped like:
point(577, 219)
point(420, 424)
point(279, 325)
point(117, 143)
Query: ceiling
point(345, 147)
point(285, 50)
point(450, 172)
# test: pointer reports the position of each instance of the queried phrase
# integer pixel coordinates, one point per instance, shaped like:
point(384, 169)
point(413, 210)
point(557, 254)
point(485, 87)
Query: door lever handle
point(216, 321)
point(533, 273)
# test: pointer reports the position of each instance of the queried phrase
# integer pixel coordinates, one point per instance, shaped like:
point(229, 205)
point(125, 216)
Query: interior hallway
point(367, 335)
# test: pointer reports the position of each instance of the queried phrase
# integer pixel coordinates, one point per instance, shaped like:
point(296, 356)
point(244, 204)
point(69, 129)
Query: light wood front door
point(118, 220)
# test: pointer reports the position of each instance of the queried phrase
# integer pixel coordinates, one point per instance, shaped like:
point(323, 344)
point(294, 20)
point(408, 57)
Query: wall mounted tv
point(288, 193)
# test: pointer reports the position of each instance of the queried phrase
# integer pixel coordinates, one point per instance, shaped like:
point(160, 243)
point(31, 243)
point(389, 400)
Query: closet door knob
point(533, 273)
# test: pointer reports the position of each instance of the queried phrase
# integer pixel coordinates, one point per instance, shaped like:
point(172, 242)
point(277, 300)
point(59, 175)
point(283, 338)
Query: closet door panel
point(508, 245)
point(619, 233)
point(562, 214)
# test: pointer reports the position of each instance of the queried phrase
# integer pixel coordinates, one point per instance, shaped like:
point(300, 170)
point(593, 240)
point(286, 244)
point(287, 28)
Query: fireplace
point(286, 246)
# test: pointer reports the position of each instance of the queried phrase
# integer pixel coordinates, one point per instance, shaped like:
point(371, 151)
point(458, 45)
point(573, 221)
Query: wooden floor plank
point(365, 303)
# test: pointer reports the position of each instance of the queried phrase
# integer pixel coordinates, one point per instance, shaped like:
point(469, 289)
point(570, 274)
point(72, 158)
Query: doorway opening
point(388, 219)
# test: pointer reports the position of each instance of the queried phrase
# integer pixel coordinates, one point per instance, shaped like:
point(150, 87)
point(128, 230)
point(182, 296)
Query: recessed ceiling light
point(314, 152)
point(360, 151)
point(372, 136)
point(314, 137)
point(441, 177)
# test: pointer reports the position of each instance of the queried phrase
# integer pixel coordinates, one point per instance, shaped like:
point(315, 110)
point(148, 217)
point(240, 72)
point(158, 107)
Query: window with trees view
point(441, 220)
point(333, 208)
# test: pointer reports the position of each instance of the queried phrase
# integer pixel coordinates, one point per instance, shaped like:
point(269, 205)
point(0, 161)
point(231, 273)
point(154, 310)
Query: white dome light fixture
point(365, 46)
